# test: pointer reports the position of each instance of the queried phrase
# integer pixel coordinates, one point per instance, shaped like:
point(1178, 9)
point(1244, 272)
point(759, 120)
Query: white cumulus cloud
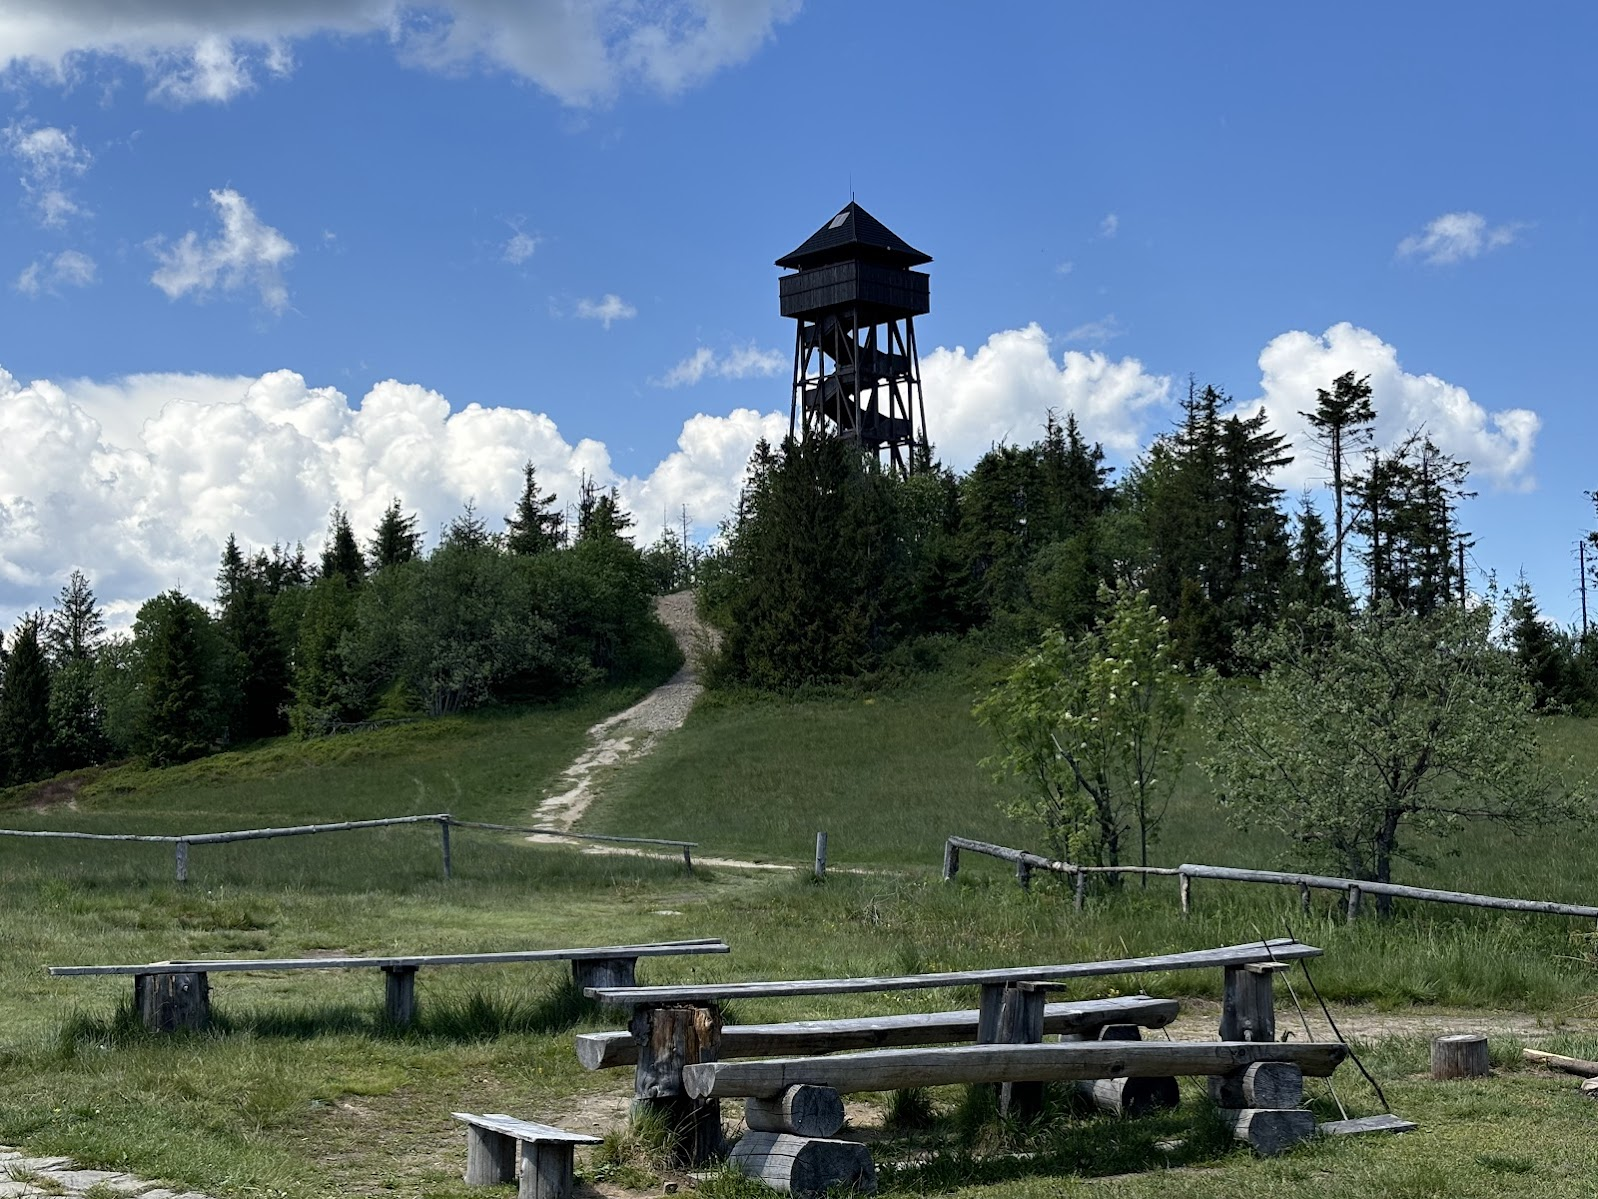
point(50, 159)
point(742, 362)
point(1456, 236)
point(607, 310)
point(246, 254)
point(519, 248)
point(581, 53)
point(1498, 445)
point(1110, 225)
point(1003, 392)
point(70, 268)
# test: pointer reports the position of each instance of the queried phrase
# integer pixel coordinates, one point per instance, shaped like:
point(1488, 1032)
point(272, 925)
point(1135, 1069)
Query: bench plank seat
point(526, 1130)
point(892, 1069)
point(601, 1050)
point(1280, 949)
point(413, 961)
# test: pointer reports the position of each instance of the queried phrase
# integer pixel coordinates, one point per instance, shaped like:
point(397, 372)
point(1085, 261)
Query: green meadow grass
point(300, 1090)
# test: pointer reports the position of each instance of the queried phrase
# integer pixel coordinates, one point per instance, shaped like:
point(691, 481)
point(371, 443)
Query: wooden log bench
point(494, 1143)
point(673, 1027)
point(1084, 1017)
point(177, 994)
point(1259, 1085)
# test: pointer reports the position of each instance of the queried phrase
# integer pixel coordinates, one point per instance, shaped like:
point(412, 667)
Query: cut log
point(1130, 1096)
point(804, 1165)
point(1589, 1088)
point(602, 1050)
point(1269, 1131)
point(669, 1039)
point(1133, 1096)
point(804, 1111)
point(168, 1002)
point(1558, 1061)
point(1460, 1055)
point(1367, 1124)
point(891, 1069)
point(1264, 1084)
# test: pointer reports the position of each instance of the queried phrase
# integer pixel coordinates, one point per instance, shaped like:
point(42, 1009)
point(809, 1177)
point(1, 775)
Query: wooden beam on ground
point(891, 1069)
point(1557, 1061)
point(1367, 1124)
point(603, 1050)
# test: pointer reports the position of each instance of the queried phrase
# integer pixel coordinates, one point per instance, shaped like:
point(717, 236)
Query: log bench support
point(604, 972)
point(803, 1110)
point(1263, 1105)
point(1012, 1014)
point(495, 1142)
point(399, 995)
point(168, 1002)
point(1130, 1096)
point(804, 1166)
point(669, 1038)
point(1248, 1009)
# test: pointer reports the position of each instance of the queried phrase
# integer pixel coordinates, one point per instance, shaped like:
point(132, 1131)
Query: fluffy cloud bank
point(139, 480)
point(1294, 365)
point(581, 53)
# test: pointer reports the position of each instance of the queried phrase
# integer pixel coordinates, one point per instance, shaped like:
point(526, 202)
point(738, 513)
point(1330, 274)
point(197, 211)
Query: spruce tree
point(395, 539)
point(73, 634)
point(245, 623)
point(468, 530)
point(25, 749)
point(179, 668)
point(1340, 424)
point(536, 527)
point(606, 518)
point(1537, 647)
point(342, 556)
point(75, 628)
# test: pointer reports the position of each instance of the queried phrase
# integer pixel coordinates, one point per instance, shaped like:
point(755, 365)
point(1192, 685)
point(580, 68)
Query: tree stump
point(1460, 1055)
point(668, 1039)
point(804, 1110)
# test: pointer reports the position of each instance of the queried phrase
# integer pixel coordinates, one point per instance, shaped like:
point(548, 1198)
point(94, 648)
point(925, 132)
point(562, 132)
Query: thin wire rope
point(1336, 1032)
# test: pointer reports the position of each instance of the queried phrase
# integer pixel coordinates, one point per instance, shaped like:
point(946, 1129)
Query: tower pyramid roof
point(854, 233)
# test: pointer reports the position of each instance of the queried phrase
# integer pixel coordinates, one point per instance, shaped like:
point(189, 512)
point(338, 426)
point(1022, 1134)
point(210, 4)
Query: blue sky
point(264, 256)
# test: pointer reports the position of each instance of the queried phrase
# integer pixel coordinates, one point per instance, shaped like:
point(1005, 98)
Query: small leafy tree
point(1369, 735)
point(1088, 728)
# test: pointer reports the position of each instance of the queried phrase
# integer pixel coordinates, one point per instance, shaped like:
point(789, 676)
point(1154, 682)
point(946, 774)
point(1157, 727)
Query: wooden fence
point(1353, 889)
point(445, 821)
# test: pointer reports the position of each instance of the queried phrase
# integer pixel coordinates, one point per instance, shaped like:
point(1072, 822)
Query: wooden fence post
point(1023, 874)
point(821, 855)
point(1303, 897)
point(182, 856)
point(1185, 886)
point(1080, 900)
point(951, 860)
point(443, 833)
point(1353, 904)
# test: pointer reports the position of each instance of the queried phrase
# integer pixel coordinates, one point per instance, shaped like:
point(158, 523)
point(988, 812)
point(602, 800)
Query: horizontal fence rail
point(1353, 889)
point(445, 821)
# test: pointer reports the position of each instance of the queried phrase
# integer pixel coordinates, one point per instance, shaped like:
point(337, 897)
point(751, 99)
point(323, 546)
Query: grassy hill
point(300, 1092)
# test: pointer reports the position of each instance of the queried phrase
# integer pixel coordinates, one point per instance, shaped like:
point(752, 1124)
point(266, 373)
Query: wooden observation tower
point(855, 372)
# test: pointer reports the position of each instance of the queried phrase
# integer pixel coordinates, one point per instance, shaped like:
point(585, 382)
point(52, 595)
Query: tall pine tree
point(536, 527)
point(1341, 424)
point(341, 556)
point(25, 749)
point(395, 539)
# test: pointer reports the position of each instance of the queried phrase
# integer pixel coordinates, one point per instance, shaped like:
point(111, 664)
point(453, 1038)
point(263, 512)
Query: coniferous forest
point(830, 572)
